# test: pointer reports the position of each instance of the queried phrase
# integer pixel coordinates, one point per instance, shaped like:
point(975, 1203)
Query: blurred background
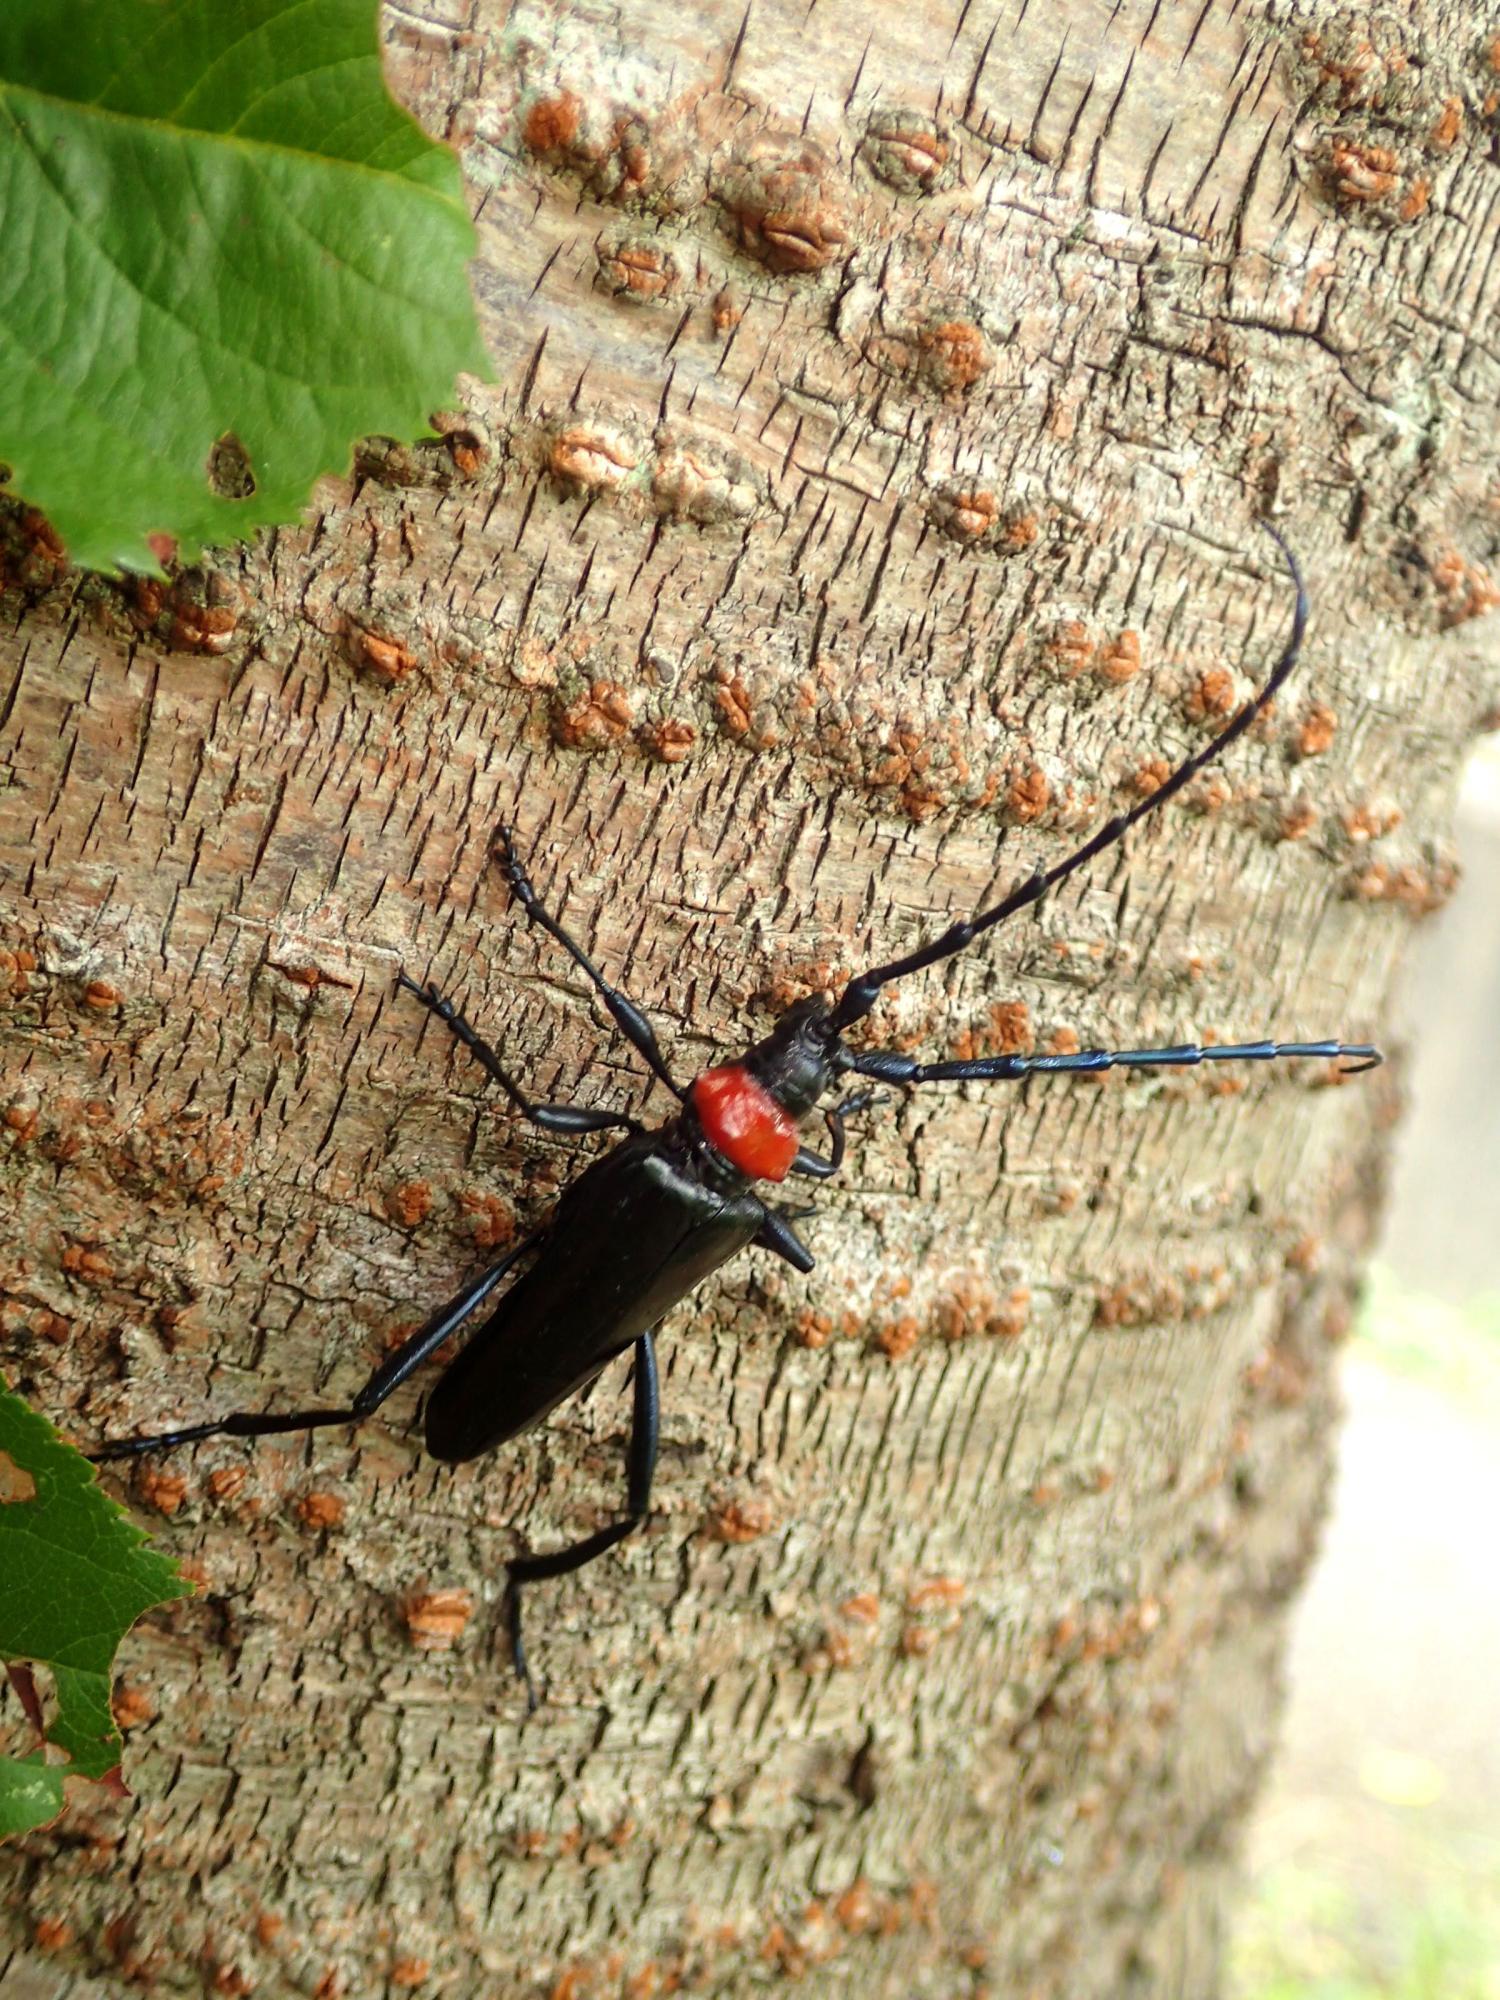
point(1374, 1859)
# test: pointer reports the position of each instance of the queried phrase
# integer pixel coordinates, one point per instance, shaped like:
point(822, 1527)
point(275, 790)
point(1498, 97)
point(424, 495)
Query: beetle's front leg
point(571, 1119)
point(813, 1164)
point(623, 1011)
point(776, 1233)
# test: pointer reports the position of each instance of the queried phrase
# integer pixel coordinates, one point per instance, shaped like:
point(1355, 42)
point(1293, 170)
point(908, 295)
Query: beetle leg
point(777, 1233)
point(623, 1011)
point(571, 1119)
point(389, 1376)
point(645, 1431)
point(813, 1164)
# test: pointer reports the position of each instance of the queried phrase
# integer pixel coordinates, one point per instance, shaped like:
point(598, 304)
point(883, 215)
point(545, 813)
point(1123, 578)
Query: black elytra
point(648, 1220)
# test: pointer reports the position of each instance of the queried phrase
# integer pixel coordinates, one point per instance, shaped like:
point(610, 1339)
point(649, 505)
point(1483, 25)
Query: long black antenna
point(859, 995)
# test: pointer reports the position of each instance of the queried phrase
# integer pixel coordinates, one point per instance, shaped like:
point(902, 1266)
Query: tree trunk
point(865, 508)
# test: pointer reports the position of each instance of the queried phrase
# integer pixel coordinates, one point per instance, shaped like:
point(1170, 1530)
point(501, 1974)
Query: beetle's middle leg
point(645, 1432)
point(572, 1119)
point(387, 1378)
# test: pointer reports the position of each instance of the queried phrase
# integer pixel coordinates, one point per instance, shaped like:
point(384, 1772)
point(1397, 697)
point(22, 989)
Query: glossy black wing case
point(630, 1237)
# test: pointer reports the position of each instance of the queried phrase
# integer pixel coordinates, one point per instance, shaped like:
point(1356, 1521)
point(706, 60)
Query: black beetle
point(652, 1217)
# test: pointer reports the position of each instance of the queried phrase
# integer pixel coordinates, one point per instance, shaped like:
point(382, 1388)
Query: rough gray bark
point(865, 506)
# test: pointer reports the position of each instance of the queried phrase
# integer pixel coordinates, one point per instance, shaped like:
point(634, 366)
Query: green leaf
point(75, 1574)
point(30, 1795)
point(225, 246)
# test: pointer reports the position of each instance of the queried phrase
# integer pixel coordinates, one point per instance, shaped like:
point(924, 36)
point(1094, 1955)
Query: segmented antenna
point(859, 995)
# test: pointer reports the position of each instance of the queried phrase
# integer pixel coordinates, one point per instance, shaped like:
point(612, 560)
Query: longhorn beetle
point(652, 1217)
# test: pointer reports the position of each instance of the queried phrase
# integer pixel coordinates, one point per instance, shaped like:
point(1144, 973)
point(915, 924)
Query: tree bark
point(864, 509)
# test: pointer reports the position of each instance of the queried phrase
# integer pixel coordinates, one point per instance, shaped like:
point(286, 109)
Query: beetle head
point(796, 1061)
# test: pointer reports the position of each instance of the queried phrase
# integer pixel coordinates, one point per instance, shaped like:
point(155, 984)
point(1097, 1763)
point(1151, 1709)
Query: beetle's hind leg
point(645, 1431)
point(387, 1378)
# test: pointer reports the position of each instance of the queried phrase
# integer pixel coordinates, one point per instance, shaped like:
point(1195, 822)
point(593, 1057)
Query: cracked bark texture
point(864, 507)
